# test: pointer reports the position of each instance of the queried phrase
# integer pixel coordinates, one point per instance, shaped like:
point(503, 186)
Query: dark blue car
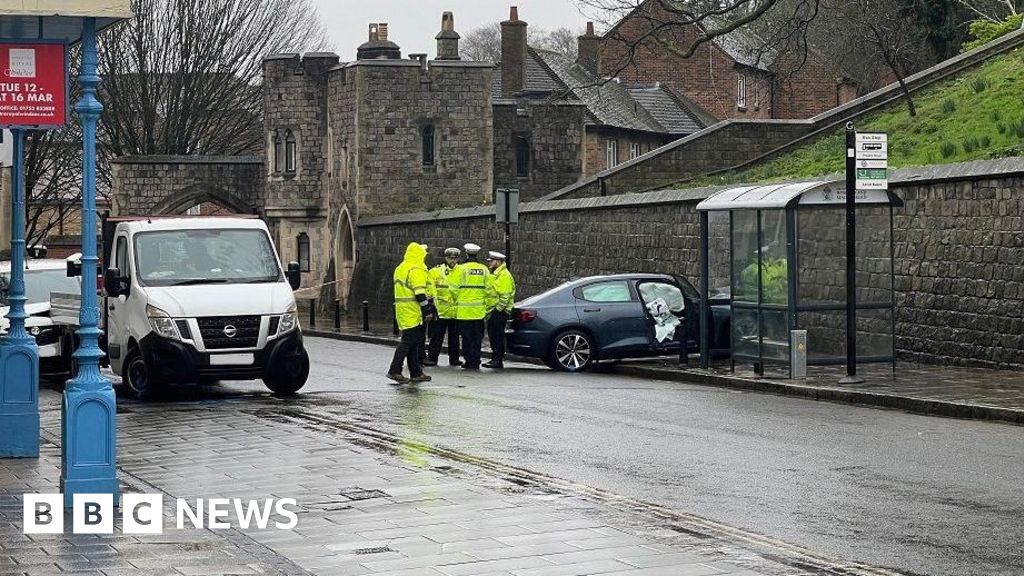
point(611, 317)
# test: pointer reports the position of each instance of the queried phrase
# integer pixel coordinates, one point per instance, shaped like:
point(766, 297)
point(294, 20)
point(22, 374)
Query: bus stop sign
point(33, 85)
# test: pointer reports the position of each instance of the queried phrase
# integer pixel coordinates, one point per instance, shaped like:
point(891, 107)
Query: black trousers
point(409, 350)
point(438, 329)
point(472, 334)
point(496, 335)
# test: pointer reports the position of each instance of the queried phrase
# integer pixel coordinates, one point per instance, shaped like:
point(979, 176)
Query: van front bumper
point(172, 362)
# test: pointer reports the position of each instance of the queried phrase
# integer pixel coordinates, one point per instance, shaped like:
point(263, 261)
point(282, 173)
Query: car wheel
point(137, 377)
point(572, 351)
point(291, 373)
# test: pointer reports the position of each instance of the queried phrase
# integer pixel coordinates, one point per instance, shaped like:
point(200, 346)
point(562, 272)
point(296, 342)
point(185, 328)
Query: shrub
point(1001, 128)
point(995, 116)
point(948, 106)
point(986, 141)
point(1017, 128)
point(970, 144)
point(979, 85)
point(947, 149)
point(985, 31)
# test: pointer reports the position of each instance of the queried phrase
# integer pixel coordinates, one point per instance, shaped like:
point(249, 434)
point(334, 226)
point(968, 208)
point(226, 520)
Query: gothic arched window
point(278, 151)
point(428, 145)
point(289, 151)
point(522, 157)
point(303, 241)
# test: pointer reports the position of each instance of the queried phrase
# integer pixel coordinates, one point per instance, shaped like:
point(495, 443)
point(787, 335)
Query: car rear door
point(611, 311)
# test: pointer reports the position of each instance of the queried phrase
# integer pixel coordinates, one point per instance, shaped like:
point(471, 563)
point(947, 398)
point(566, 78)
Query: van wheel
point(137, 378)
point(571, 351)
point(291, 371)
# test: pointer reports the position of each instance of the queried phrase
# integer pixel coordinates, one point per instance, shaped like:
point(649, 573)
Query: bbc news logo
point(144, 514)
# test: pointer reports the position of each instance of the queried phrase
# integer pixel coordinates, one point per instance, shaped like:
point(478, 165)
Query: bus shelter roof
point(780, 196)
point(57, 20)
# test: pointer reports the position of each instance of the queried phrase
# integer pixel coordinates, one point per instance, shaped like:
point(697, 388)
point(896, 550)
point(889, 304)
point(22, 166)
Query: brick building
point(732, 76)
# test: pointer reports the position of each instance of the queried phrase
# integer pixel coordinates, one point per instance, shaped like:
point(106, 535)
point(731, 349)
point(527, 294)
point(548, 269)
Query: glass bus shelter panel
point(774, 287)
point(826, 335)
point(821, 256)
point(874, 333)
point(745, 322)
point(719, 251)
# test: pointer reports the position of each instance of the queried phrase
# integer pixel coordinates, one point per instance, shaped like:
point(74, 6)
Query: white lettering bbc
point(143, 513)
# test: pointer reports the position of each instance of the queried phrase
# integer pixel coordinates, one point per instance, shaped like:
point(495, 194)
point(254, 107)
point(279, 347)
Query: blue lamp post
point(19, 356)
point(89, 411)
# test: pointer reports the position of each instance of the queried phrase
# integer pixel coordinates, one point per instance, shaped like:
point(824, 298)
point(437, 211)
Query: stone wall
point(958, 244)
point(555, 133)
point(155, 185)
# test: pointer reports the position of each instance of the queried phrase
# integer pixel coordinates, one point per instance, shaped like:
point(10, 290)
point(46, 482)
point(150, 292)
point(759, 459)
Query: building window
point(289, 151)
point(278, 151)
point(428, 145)
point(741, 91)
point(303, 241)
point(522, 157)
point(634, 150)
point(611, 153)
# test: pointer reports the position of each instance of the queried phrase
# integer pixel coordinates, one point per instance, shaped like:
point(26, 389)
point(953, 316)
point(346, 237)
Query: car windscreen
point(38, 285)
point(202, 256)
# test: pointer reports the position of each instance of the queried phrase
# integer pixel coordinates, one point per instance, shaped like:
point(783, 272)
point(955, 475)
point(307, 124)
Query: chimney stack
point(513, 54)
point(589, 54)
point(447, 39)
point(378, 46)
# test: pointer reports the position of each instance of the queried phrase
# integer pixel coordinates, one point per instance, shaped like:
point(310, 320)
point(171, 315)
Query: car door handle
point(591, 309)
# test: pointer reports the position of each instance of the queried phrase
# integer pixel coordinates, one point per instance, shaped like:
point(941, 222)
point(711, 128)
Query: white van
point(199, 299)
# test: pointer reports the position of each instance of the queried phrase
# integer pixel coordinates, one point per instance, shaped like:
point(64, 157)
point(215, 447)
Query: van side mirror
point(294, 275)
point(113, 283)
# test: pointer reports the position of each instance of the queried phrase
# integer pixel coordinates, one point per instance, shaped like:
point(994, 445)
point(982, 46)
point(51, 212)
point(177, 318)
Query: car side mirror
point(74, 269)
point(294, 275)
point(114, 284)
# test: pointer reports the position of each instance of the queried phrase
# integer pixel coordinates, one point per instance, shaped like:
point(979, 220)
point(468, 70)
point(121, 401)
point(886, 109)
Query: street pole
point(851, 257)
point(508, 231)
point(19, 355)
point(89, 411)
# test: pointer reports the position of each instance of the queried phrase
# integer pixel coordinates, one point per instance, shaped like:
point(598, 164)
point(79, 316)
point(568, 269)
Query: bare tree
point(182, 77)
point(886, 28)
point(993, 10)
point(484, 43)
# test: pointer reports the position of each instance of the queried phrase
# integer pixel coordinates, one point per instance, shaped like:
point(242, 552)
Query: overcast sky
point(414, 23)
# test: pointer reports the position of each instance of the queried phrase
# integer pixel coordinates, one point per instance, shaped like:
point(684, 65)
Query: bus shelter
point(786, 274)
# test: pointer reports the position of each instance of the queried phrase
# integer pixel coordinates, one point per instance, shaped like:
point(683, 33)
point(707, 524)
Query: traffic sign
point(872, 161)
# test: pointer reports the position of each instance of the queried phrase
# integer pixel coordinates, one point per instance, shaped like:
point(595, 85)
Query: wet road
point(918, 494)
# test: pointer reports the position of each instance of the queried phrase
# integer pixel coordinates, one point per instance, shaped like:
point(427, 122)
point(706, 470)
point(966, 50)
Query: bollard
point(366, 316)
point(337, 315)
point(312, 313)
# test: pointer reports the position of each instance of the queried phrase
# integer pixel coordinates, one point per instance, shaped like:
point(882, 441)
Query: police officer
point(470, 291)
point(413, 307)
point(501, 295)
point(443, 276)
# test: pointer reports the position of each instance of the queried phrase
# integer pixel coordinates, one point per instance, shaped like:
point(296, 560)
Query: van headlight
point(162, 323)
point(287, 321)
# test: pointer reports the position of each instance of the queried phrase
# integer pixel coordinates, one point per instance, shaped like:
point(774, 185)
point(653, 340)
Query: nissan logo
point(230, 331)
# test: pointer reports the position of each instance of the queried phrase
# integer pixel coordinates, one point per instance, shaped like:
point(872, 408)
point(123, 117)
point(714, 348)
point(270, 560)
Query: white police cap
point(471, 248)
point(492, 255)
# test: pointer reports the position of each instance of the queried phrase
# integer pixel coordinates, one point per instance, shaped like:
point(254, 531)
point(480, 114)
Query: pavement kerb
point(924, 406)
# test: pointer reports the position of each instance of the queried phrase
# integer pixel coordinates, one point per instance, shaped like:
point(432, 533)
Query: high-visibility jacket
point(470, 291)
point(501, 291)
point(411, 279)
point(443, 277)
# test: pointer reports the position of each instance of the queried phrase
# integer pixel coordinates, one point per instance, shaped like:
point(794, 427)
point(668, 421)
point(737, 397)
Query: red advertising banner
point(33, 85)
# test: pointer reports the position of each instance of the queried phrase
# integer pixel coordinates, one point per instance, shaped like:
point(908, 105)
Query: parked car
point(607, 317)
point(55, 341)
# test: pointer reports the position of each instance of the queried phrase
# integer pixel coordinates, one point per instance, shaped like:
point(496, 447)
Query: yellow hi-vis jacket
point(443, 277)
point(501, 292)
point(411, 278)
point(470, 291)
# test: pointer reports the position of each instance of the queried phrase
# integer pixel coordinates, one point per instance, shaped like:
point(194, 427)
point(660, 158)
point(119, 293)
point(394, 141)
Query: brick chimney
point(589, 55)
point(447, 39)
point(378, 46)
point(513, 54)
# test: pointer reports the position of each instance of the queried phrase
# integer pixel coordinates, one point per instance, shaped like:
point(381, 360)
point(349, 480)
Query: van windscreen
point(188, 257)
